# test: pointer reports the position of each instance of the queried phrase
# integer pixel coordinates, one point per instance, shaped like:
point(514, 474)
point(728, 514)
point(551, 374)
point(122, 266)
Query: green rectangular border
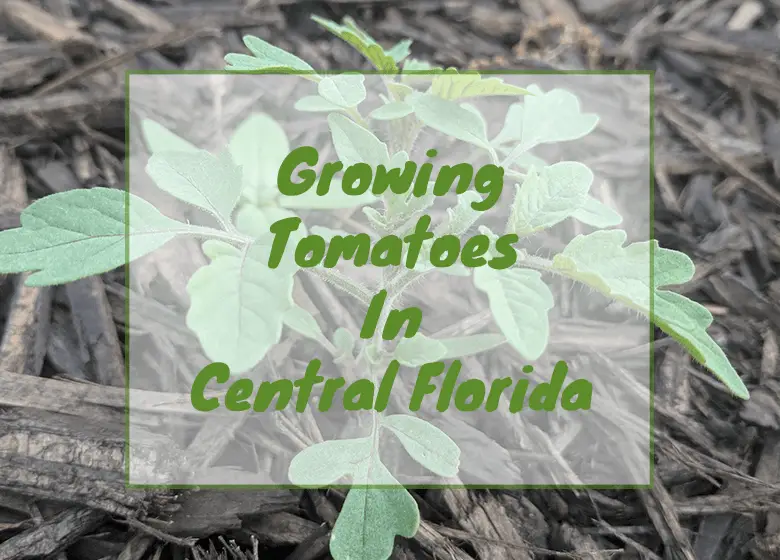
point(651, 175)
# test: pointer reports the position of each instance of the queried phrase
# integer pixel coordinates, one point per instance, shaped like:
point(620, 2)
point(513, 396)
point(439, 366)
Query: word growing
point(358, 177)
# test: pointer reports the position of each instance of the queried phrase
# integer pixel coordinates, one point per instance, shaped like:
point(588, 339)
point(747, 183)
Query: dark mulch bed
point(716, 493)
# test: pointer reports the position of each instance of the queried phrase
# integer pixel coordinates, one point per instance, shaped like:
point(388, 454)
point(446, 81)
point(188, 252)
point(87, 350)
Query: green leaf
point(371, 517)
point(79, 233)
point(686, 321)
point(325, 463)
point(238, 306)
point(316, 104)
point(210, 182)
point(257, 220)
point(259, 145)
point(551, 117)
point(596, 214)
point(462, 216)
point(453, 85)
point(623, 273)
point(344, 341)
point(418, 350)
point(333, 200)
point(512, 131)
point(524, 161)
point(391, 111)
point(448, 117)
point(600, 260)
point(400, 50)
point(268, 58)
point(520, 302)
point(419, 72)
point(550, 196)
point(355, 144)
point(302, 322)
point(361, 41)
point(343, 90)
point(425, 443)
point(468, 345)
point(160, 139)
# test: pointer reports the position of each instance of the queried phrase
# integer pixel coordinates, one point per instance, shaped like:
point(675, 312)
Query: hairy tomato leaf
point(597, 214)
point(453, 85)
point(391, 111)
point(79, 233)
point(160, 139)
point(551, 117)
point(418, 350)
point(449, 117)
point(212, 183)
point(371, 517)
point(316, 104)
point(520, 302)
point(259, 145)
point(400, 50)
point(468, 345)
point(623, 273)
point(344, 341)
point(549, 196)
point(303, 322)
point(425, 443)
point(268, 58)
point(238, 306)
point(355, 144)
point(343, 90)
point(327, 462)
point(349, 32)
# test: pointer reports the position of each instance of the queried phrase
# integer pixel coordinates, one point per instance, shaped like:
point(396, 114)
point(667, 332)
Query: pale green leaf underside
point(316, 104)
point(259, 145)
point(238, 306)
point(334, 199)
point(267, 57)
point(355, 144)
point(623, 273)
point(597, 214)
point(512, 131)
point(343, 90)
point(303, 322)
point(257, 220)
point(462, 216)
point(371, 517)
point(547, 118)
point(468, 345)
point(549, 196)
point(212, 183)
point(448, 117)
point(391, 111)
point(554, 116)
point(80, 233)
point(344, 341)
point(425, 443)
point(520, 302)
point(160, 139)
point(418, 350)
point(327, 462)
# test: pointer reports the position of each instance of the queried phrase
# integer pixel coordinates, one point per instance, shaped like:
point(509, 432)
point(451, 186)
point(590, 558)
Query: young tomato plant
point(71, 235)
